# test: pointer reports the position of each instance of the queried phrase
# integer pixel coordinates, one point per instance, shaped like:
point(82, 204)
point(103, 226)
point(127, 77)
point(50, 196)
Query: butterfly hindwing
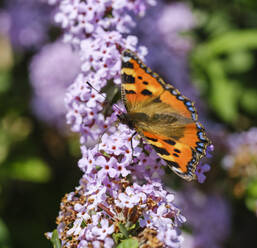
point(175, 153)
point(165, 118)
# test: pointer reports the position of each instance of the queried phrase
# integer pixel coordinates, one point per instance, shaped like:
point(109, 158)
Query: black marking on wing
point(146, 92)
point(146, 83)
point(176, 155)
point(130, 92)
point(160, 150)
point(128, 79)
point(139, 77)
point(176, 150)
point(127, 65)
point(172, 163)
point(152, 139)
point(170, 142)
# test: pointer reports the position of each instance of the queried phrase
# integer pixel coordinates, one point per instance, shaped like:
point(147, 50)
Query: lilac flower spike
point(95, 29)
point(120, 194)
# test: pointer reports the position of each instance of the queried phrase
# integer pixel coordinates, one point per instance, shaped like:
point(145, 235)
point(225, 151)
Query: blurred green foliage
point(222, 62)
point(55, 240)
point(37, 164)
point(128, 243)
point(224, 67)
point(251, 195)
point(4, 235)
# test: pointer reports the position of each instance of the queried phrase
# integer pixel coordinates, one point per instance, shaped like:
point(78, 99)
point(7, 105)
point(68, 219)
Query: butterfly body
point(160, 114)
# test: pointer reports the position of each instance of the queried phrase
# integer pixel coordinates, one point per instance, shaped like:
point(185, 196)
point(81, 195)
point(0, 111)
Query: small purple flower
point(209, 151)
point(200, 170)
point(107, 167)
point(104, 230)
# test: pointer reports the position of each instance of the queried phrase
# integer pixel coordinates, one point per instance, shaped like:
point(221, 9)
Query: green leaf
point(117, 237)
point(128, 243)
point(5, 81)
point(251, 196)
point(123, 230)
point(28, 169)
point(252, 188)
point(230, 42)
point(249, 101)
point(218, 23)
point(132, 227)
point(4, 235)
point(224, 93)
point(239, 62)
point(55, 240)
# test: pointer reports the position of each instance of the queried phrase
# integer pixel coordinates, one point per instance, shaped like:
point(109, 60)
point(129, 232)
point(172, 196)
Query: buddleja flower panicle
point(93, 217)
point(120, 190)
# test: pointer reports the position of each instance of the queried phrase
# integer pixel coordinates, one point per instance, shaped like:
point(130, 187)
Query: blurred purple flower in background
point(241, 159)
point(239, 141)
point(5, 22)
point(207, 215)
point(175, 19)
point(28, 23)
point(52, 70)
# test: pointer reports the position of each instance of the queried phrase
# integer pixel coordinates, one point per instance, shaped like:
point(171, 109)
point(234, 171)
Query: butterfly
point(162, 116)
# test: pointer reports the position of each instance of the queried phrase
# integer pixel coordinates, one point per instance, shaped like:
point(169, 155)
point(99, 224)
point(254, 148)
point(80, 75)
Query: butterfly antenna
point(115, 105)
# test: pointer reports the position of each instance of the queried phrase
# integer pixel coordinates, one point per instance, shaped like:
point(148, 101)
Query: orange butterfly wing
point(168, 120)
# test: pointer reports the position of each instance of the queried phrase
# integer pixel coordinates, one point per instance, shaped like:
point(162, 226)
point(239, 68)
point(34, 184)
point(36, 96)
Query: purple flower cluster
point(208, 217)
point(241, 160)
point(93, 215)
point(108, 198)
point(28, 23)
point(182, 21)
point(52, 70)
point(242, 152)
point(95, 28)
point(107, 167)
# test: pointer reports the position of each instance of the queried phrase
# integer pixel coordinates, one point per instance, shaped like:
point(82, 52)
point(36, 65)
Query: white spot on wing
point(126, 59)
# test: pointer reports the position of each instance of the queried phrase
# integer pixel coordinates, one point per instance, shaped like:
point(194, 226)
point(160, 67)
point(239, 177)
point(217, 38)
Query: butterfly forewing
point(170, 123)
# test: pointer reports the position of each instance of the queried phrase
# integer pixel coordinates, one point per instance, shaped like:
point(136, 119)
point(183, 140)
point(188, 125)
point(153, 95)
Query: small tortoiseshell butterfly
point(160, 114)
